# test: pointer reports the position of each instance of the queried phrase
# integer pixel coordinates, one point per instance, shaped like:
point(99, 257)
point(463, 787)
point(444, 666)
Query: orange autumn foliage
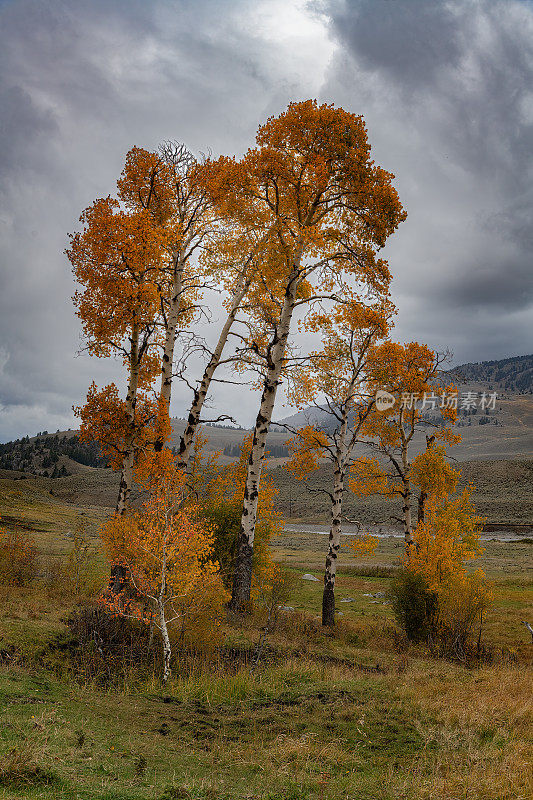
point(309, 190)
point(117, 260)
point(18, 558)
point(166, 549)
point(146, 183)
point(163, 186)
point(446, 540)
point(138, 540)
point(432, 473)
point(408, 373)
point(367, 477)
point(105, 420)
point(306, 448)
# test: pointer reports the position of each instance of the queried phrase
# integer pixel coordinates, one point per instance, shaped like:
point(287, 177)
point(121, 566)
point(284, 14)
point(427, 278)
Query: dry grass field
point(353, 713)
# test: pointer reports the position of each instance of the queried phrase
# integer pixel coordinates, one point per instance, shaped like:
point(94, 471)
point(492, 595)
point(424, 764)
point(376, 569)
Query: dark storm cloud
point(446, 89)
point(81, 83)
point(408, 40)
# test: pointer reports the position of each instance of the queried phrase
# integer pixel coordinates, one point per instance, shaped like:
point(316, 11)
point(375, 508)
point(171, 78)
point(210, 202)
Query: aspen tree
point(311, 179)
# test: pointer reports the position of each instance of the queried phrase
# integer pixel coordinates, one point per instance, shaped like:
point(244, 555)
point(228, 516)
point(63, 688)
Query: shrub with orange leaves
point(166, 549)
point(18, 556)
point(445, 542)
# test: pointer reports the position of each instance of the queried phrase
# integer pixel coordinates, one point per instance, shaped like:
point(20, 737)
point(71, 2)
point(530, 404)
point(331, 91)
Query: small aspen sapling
point(166, 550)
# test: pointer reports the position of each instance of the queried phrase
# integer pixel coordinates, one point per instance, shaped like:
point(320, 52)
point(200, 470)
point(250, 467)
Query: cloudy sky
point(446, 89)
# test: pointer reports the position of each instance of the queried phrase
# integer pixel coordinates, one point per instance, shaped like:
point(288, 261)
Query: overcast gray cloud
point(445, 88)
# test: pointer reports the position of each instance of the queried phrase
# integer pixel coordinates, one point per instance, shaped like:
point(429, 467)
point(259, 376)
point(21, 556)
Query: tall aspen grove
point(289, 237)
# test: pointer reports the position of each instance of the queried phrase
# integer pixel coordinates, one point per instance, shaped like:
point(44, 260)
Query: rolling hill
point(513, 374)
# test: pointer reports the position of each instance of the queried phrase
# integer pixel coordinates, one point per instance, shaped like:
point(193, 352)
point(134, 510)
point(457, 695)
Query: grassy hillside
point(503, 494)
point(351, 713)
point(513, 374)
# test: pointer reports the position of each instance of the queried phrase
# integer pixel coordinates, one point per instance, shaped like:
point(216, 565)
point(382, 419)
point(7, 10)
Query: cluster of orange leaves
point(104, 419)
point(445, 543)
point(117, 259)
point(18, 555)
point(165, 547)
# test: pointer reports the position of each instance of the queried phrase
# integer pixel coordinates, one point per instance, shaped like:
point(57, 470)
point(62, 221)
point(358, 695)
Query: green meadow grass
point(351, 713)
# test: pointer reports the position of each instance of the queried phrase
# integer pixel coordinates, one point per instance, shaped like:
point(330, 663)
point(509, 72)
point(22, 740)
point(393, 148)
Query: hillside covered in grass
point(353, 712)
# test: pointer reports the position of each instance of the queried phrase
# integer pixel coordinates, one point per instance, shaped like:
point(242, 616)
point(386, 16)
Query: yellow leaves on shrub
point(18, 555)
point(446, 540)
point(363, 545)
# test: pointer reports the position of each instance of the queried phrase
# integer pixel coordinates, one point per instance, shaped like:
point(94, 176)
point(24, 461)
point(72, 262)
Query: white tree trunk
point(328, 597)
point(167, 650)
point(172, 320)
point(406, 496)
point(200, 393)
point(242, 583)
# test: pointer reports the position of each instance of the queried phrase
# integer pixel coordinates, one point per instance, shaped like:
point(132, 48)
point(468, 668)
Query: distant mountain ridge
point(506, 433)
point(503, 432)
point(514, 374)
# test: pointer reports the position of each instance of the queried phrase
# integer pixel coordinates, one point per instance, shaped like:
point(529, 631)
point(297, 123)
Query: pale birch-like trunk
point(242, 583)
point(344, 445)
point(126, 478)
point(173, 315)
point(406, 496)
point(328, 597)
point(119, 579)
point(200, 393)
point(167, 650)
